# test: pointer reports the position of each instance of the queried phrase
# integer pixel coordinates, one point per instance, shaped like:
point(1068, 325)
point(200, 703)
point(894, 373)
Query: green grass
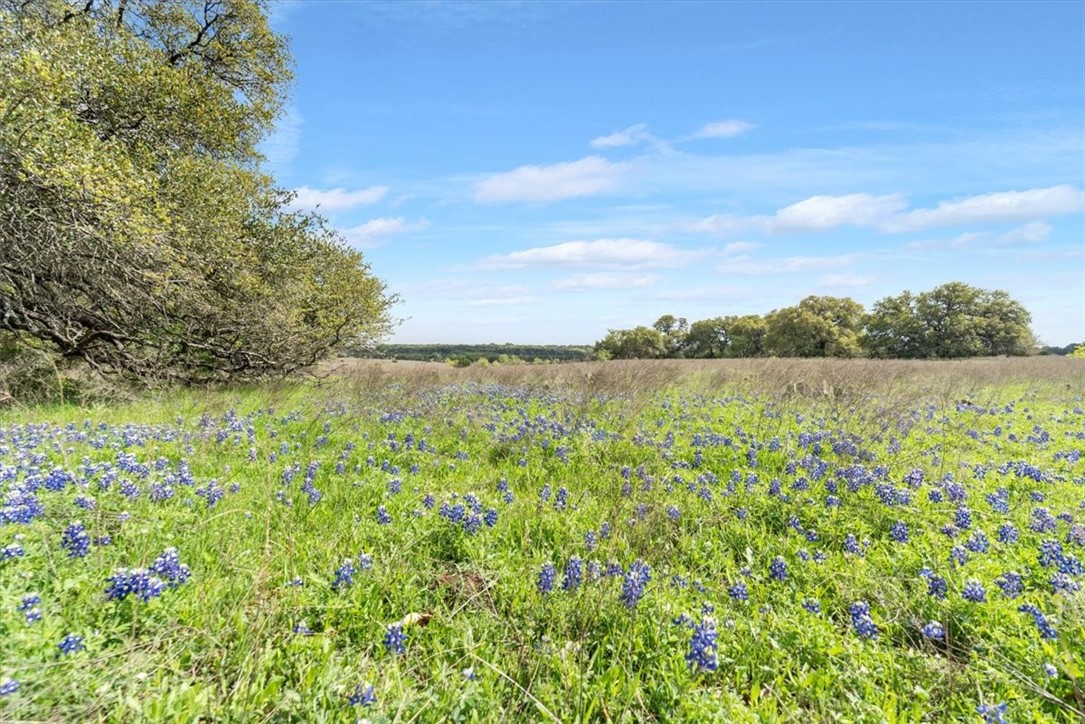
point(222, 646)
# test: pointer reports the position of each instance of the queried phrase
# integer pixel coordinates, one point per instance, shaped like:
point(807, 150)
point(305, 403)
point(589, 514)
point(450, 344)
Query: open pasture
point(751, 540)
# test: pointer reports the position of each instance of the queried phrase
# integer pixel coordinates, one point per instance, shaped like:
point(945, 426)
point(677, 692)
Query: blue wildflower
point(778, 569)
point(633, 585)
point(75, 540)
point(573, 574)
point(344, 575)
point(739, 591)
point(8, 687)
point(812, 605)
point(992, 713)
point(546, 578)
point(1042, 625)
point(382, 516)
point(899, 532)
point(861, 620)
point(1010, 583)
point(70, 644)
point(934, 630)
point(974, 591)
point(394, 639)
point(362, 696)
point(702, 646)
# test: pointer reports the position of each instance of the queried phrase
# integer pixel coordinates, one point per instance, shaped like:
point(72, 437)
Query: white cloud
point(818, 213)
point(992, 208)
point(749, 267)
point(602, 281)
point(374, 231)
point(587, 177)
point(740, 247)
point(632, 136)
point(333, 200)
point(1033, 232)
point(601, 253)
point(709, 293)
point(723, 129)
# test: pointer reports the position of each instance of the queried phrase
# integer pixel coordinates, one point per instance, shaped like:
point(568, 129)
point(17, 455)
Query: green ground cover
point(717, 553)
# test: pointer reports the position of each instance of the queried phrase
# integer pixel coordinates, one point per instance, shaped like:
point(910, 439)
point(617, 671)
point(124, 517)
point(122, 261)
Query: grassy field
point(719, 541)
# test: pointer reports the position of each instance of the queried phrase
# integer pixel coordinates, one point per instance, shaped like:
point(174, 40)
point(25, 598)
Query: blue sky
point(542, 172)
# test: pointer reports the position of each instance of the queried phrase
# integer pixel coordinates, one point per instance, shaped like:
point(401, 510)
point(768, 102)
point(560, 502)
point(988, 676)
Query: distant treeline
point(954, 320)
point(465, 354)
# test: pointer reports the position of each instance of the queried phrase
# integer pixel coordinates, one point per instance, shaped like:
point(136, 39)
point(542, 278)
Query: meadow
point(762, 540)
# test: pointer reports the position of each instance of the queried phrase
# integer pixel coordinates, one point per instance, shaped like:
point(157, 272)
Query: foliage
point(1079, 352)
point(137, 232)
point(816, 327)
point(500, 353)
point(637, 343)
point(480, 552)
point(952, 320)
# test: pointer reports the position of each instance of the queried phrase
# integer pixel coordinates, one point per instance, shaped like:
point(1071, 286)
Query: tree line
point(953, 320)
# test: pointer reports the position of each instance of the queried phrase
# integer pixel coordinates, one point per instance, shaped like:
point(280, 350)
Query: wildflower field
point(774, 541)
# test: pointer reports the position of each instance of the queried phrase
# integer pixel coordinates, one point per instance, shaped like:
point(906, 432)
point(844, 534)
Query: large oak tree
point(137, 231)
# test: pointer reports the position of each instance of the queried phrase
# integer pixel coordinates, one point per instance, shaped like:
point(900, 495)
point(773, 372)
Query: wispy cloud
point(889, 213)
point(818, 213)
point(1003, 206)
point(601, 281)
point(723, 129)
point(741, 247)
point(1033, 232)
point(632, 136)
point(332, 200)
point(629, 254)
point(586, 177)
point(374, 231)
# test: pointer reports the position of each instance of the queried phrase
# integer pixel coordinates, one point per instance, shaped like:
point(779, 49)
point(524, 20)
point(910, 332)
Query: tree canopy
point(952, 320)
point(137, 231)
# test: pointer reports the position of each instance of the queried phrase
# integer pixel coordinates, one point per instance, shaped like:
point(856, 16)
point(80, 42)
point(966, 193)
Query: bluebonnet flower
point(778, 569)
point(169, 567)
point(812, 605)
point(138, 582)
point(1050, 670)
point(604, 531)
point(70, 644)
point(992, 713)
point(974, 591)
point(344, 575)
point(382, 516)
point(851, 545)
point(365, 561)
point(1042, 625)
point(471, 523)
point(296, 581)
point(899, 532)
point(739, 592)
point(958, 555)
point(673, 512)
point(547, 574)
point(633, 585)
point(490, 517)
point(589, 540)
point(1007, 533)
point(394, 639)
point(861, 620)
point(468, 673)
point(8, 687)
point(1062, 583)
point(614, 569)
point(1010, 583)
point(573, 574)
point(934, 630)
point(935, 495)
point(75, 540)
point(32, 616)
point(702, 646)
point(362, 696)
point(301, 628)
point(428, 502)
point(12, 551)
point(1050, 552)
point(561, 499)
point(29, 601)
point(963, 517)
point(978, 543)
